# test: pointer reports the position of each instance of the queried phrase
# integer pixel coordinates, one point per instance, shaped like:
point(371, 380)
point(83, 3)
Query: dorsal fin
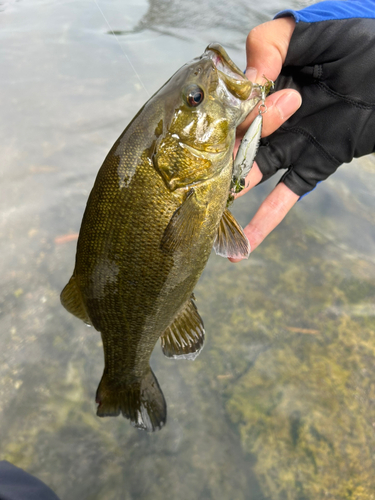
point(184, 338)
point(72, 301)
point(230, 240)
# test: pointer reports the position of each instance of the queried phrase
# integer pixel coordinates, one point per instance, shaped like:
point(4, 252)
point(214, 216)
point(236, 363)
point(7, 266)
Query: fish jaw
point(234, 88)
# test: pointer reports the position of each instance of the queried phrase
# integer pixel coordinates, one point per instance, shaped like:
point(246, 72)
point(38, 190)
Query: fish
point(158, 206)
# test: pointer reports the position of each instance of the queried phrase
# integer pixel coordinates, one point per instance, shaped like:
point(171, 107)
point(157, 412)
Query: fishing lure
point(249, 145)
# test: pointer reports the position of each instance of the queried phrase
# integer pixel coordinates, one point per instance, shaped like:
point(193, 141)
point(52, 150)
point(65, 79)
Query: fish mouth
point(223, 61)
point(234, 79)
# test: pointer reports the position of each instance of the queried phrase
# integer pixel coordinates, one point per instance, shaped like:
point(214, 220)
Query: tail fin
point(141, 402)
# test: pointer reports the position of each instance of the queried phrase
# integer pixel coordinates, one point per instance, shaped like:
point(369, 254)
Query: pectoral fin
point(184, 222)
point(72, 301)
point(184, 338)
point(230, 240)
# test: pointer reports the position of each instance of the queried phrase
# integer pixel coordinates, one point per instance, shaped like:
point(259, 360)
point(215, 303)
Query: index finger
point(269, 215)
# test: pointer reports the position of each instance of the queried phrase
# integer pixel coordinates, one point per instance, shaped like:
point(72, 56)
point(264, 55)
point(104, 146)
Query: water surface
point(280, 403)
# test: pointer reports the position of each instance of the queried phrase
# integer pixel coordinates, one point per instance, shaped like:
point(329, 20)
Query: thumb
point(266, 48)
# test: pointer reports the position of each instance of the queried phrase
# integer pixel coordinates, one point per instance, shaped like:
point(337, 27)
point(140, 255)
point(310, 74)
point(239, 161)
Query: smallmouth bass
point(157, 208)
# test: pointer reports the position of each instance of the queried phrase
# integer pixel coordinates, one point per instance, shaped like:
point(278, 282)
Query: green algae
point(299, 349)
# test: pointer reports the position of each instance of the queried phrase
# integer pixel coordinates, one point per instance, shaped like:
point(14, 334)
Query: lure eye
point(194, 95)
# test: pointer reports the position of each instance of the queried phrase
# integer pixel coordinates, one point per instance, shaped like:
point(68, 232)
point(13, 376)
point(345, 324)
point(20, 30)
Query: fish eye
point(194, 95)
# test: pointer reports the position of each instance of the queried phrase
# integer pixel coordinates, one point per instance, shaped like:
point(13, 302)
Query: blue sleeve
point(16, 484)
point(332, 10)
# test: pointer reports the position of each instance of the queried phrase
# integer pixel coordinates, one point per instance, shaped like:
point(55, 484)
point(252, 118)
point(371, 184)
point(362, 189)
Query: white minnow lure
point(246, 153)
point(249, 145)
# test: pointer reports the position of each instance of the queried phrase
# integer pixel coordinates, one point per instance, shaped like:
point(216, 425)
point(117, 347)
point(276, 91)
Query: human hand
point(331, 63)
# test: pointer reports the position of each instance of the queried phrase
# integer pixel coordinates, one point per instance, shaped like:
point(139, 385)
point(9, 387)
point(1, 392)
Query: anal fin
point(72, 301)
point(230, 240)
point(184, 338)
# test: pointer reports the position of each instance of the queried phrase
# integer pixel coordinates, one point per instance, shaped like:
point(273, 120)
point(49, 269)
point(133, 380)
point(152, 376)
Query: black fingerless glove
point(331, 63)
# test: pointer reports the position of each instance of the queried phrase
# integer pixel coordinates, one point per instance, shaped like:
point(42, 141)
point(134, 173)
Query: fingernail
point(288, 103)
point(251, 74)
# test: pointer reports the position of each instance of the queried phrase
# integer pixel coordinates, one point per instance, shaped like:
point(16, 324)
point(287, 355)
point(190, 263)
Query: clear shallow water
point(280, 403)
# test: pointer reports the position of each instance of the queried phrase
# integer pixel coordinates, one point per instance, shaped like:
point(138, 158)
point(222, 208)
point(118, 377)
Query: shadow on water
point(177, 18)
point(281, 402)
